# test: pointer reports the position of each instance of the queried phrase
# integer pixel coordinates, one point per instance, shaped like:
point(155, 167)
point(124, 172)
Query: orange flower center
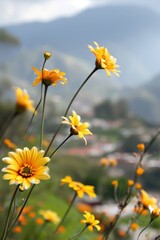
point(26, 171)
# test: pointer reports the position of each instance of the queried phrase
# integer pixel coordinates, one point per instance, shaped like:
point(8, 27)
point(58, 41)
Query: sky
point(20, 11)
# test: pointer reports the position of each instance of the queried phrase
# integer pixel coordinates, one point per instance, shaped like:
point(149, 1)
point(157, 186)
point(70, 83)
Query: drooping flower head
point(49, 77)
point(90, 221)
point(147, 201)
point(104, 60)
point(79, 188)
point(26, 167)
point(77, 127)
point(23, 101)
point(50, 216)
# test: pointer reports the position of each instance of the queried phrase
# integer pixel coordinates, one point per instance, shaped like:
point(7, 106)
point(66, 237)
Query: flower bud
point(47, 55)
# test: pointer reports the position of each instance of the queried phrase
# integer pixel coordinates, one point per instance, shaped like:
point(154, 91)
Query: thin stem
point(38, 104)
point(69, 105)
point(24, 204)
point(42, 119)
point(144, 229)
point(116, 194)
point(66, 213)
point(30, 122)
point(79, 233)
point(6, 126)
point(61, 144)
point(112, 225)
point(5, 232)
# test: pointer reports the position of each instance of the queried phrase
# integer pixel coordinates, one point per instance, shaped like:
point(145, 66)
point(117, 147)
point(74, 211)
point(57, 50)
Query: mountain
point(131, 33)
point(144, 101)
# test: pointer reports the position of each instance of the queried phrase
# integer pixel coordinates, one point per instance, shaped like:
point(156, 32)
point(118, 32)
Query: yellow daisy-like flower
point(50, 216)
point(79, 188)
point(49, 77)
point(77, 127)
point(104, 60)
point(147, 201)
point(26, 167)
point(23, 101)
point(90, 221)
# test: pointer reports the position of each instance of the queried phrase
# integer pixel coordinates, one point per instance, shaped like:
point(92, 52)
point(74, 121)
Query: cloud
point(17, 11)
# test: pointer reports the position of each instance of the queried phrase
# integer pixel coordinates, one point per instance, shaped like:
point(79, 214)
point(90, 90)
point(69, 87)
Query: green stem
point(5, 232)
point(42, 120)
point(21, 210)
point(144, 228)
point(69, 105)
point(79, 233)
point(38, 104)
point(6, 126)
point(30, 122)
point(115, 194)
point(66, 213)
point(61, 145)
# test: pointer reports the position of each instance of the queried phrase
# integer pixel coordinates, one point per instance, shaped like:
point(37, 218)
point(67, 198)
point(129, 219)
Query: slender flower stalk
point(33, 115)
point(21, 210)
point(144, 229)
point(65, 215)
point(39, 102)
point(6, 126)
point(5, 232)
point(77, 235)
point(60, 145)
point(69, 105)
point(42, 119)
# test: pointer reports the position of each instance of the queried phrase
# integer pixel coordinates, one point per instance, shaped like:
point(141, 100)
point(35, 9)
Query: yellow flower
point(115, 183)
point(134, 226)
point(130, 183)
point(139, 171)
point(104, 162)
point(79, 188)
point(155, 212)
point(104, 60)
point(26, 167)
point(77, 127)
point(138, 185)
point(50, 216)
point(90, 221)
point(23, 101)
point(113, 162)
point(146, 201)
point(141, 147)
point(9, 143)
point(49, 77)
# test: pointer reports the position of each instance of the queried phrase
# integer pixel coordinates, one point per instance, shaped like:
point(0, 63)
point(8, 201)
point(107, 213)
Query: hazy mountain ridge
point(131, 34)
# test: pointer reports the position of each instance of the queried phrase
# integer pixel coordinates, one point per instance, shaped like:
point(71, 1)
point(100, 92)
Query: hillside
point(131, 33)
